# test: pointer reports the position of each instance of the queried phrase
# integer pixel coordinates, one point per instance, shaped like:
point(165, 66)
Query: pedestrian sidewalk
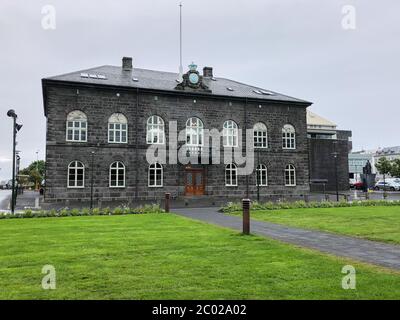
point(381, 254)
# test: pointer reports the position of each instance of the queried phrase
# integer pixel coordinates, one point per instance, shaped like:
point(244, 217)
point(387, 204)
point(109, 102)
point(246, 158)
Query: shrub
point(118, 211)
point(237, 206)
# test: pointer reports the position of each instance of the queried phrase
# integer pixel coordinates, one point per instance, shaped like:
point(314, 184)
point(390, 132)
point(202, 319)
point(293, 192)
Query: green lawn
point(163, 256)
point(374, 223)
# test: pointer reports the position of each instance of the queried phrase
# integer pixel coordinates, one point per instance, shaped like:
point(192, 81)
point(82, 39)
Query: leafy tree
point(384, 166)
point(35, 171)
point(395, 170)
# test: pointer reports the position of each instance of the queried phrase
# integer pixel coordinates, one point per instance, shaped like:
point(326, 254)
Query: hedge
point(237, 206)
point(66, 212)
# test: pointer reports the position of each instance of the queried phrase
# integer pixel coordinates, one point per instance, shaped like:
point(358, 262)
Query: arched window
point(76, 126)
point(155, 175)
point(230, 134)
point(262, 175)
point(288, 137)
point(117, 128)
point(76, 175)
point(231, 175)
point(290, 176)
point(117, 175)
point(155, 130)
point(194, 132)
point(260, 135)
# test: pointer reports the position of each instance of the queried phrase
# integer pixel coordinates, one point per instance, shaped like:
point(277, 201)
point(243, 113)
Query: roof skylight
point(229, 89)
point(135, 79)
point(269, 93)
point(84, 75)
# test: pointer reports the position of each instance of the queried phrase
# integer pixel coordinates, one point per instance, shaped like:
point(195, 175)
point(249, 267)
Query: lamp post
point(37, 169)
point(91, 179)
point(16, 127)
point(335, 155)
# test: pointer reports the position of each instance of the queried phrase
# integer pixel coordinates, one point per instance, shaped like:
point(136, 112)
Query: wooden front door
point(194, 182)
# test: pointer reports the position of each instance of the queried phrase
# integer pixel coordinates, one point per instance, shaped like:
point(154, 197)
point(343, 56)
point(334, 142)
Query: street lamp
point(16, 127)
point(335, 155)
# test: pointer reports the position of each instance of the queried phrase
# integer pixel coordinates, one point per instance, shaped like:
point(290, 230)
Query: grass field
point(163, 256)
point(374, 223)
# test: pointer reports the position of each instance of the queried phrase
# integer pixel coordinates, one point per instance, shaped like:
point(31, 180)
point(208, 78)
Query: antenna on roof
point(180, 79)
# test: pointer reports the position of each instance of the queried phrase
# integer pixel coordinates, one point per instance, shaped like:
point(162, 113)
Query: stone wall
point(322, 163)
point(99, 104)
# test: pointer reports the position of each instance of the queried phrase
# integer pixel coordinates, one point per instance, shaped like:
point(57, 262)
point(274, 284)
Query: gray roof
point(166, 81)
point(389, 151)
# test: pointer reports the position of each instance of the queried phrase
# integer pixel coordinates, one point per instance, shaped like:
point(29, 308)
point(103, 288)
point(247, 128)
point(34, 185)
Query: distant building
point(390, 153)
point(357, 162)
point(326, 143)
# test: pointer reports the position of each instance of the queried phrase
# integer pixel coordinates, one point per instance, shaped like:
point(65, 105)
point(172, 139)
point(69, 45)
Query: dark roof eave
point(47, 81)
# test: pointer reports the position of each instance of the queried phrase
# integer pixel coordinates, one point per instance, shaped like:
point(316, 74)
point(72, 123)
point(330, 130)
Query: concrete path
point(380, 254)
point(5, 196)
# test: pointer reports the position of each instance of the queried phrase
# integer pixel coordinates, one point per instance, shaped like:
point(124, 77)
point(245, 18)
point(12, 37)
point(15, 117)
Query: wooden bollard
point(246, 216)
point(167, 201)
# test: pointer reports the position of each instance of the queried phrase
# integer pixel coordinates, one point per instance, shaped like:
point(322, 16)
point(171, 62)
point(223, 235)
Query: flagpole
point(180, 43)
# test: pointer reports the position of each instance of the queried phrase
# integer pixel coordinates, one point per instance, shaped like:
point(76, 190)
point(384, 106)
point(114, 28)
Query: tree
point(35, 171)
point(395, 170)
point(384, 166)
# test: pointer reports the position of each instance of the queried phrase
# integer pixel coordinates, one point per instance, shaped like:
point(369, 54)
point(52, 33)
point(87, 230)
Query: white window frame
point(262, 168)
point(156, 167)
point(288, 137)
point(74, 166)
point(76, 118)
point(233, 177)
point(117, 119)
point(230, 134)
point(194, 132)
point(290, 171)
point(155, 128)
point(260, 136)
point(119, 166)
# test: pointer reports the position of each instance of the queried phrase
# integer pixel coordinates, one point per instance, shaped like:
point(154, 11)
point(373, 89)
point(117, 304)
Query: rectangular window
point(76, 131)
point(117, 133)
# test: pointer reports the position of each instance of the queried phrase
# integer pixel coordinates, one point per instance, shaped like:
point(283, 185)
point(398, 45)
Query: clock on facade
point(194, 78)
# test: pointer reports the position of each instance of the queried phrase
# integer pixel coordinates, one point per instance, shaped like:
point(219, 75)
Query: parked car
point(357, 185)
point(389, 185)
point(3, 185)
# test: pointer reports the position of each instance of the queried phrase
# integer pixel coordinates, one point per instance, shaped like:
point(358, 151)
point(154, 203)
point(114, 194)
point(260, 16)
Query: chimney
point(208, 72)
point(127, 63)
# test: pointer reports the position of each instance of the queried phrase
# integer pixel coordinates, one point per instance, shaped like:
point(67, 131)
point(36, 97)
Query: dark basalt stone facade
point(100, 99)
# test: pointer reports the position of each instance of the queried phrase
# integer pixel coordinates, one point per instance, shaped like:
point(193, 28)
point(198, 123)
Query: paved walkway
point(381, 254)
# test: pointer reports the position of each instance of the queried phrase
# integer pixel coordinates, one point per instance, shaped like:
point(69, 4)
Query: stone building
point(102, 121)
point(329, 153)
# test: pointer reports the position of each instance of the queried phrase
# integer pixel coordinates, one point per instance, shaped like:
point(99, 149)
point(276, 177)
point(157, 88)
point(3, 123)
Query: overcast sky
point(296, 47)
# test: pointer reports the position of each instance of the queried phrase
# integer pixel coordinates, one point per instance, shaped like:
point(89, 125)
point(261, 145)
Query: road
point(4, 199)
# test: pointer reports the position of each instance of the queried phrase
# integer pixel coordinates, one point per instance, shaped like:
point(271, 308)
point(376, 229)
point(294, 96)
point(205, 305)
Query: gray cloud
point(295, 47)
